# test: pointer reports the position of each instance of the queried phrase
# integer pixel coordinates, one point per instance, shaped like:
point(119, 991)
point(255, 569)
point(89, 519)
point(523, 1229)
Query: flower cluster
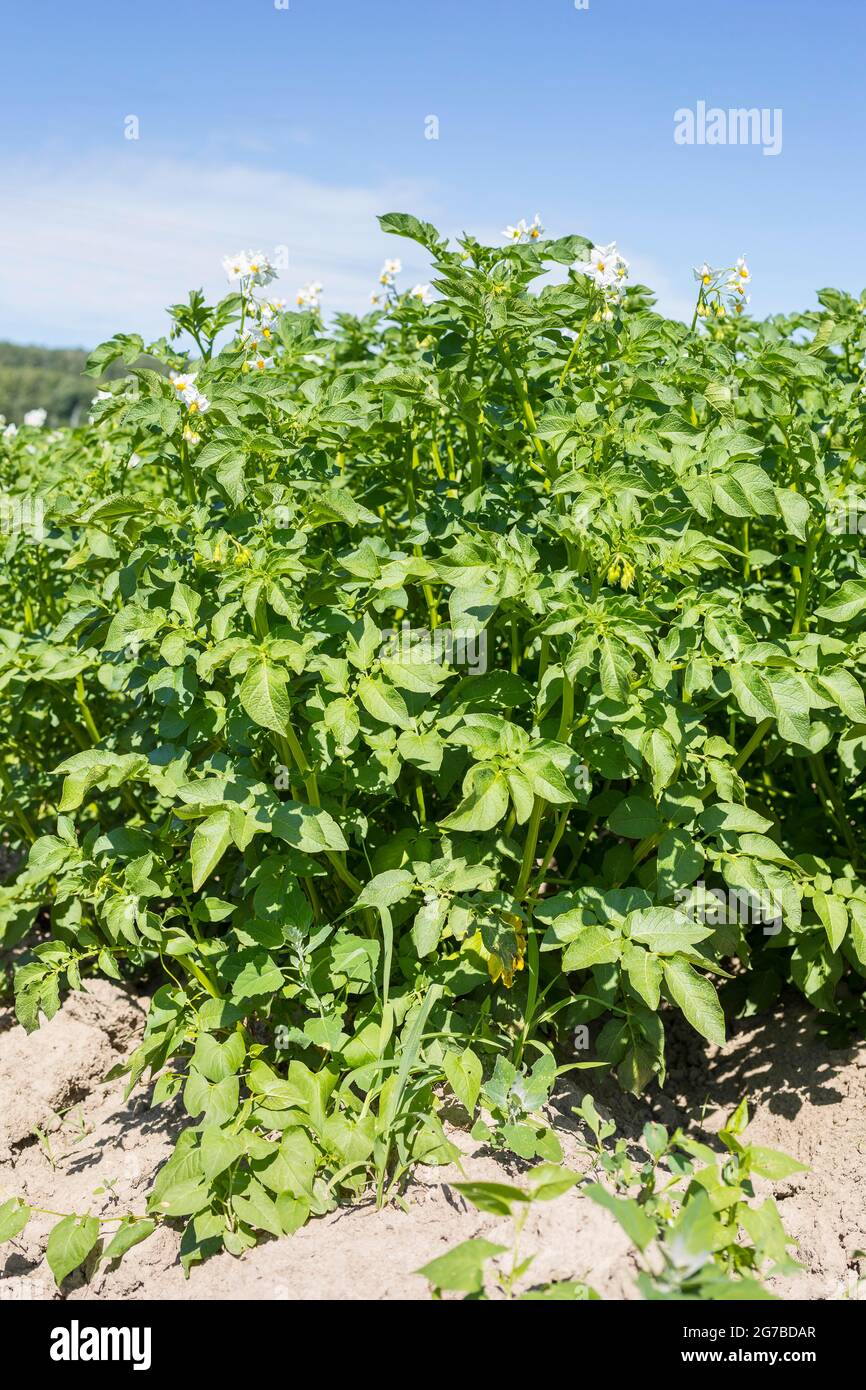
point(388, 291)
point(258, 334)
point(34, 419)
point(192, 398)
point(250, 267)
point(521, 232)
point(608, 270)
point(620, 571)
point(257, 326)
point(721, 290)
point(308, 296)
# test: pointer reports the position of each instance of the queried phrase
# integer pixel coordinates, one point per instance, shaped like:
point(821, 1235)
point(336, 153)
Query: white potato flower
point(516, 233)
point(535, 229)
point(422, 292)
point(236, 267)
point(36, 418)
point(269, 308)
point(10, 431)
point(308, 295)
point(184, 382)
point(261, 271)
point(392, 267)
point(605, 265)
point(704, 274)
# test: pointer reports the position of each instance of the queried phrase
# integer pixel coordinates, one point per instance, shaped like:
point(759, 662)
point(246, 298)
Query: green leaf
point(307, 828)
point(594, 946)
point(463, 1072)
point(795, 511)
point(462, 1269)
point(664, 930)
point(384, 702)
point(404, 224)
point(696, 997)
point(773, 1164)
point(264, 696)
point(259, 975)
point(258, 1209)
point(846, 604)
point(130, 1232)
point(725, 815)
point(219, 1149)
point(635, 818)
point(70, 1243)
point(210, 841)
point(644, 973)
point(834, 917)
point(484, 807)
point(14, 1216)
point(679, 861)
point(386, 889)
point(634, 1221)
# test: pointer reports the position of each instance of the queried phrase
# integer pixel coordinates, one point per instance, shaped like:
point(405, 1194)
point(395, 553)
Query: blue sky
point(262, 126)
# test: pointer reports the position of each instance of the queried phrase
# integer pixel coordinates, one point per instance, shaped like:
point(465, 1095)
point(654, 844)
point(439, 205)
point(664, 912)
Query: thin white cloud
point(98, 246)
point(101, 246)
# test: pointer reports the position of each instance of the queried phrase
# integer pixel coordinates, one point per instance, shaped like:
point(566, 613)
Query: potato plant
point(428, 702)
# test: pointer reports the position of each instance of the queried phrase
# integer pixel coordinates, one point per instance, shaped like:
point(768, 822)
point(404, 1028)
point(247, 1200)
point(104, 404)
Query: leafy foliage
point(404, 699)
point(691, 1216)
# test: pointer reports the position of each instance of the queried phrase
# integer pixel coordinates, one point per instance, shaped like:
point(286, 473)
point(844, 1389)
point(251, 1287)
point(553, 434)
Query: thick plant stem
point(824, 780)
point(805, 578)
point(575, 348)
point(529, 847)
point(548, 469)
point(290, 750)
point(532, 962)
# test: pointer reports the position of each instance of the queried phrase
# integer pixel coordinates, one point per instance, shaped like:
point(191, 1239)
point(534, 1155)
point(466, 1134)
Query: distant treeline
point(50, 378)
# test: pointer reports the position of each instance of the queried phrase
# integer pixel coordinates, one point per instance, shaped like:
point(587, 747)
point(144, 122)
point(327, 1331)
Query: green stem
point(196, 971)
point(803, 590)
point(81, 701)
point(17, 809)
point(575, 347)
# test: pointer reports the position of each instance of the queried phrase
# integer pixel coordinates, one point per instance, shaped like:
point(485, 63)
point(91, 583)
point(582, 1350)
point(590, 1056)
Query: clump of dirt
point(805, 1099)
point(46, 1072)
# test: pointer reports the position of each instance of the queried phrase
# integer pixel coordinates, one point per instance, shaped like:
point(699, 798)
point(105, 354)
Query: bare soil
point(65, 1132)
